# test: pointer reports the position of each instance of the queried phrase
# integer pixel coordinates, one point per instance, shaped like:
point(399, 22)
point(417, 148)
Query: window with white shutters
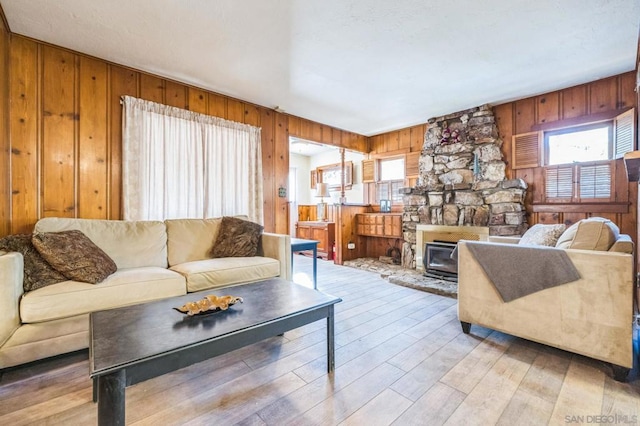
point(595, 181)
point(559, 183)
point(579, 162)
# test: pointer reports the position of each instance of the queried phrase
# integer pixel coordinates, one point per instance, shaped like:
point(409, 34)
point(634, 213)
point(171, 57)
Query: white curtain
point(181, 164)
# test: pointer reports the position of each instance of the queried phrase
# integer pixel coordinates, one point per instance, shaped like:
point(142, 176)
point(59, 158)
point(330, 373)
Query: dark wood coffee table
point(135, 343)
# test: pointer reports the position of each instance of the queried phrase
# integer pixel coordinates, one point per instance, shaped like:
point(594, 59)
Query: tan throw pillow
point(595, 233)
point(37, 272)
point(542, 235)
point(74, 255)
point(236, 238)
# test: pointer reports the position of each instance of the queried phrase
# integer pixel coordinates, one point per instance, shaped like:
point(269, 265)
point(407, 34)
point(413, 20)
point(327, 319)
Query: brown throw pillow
point(74, 255)
point(236, 238)
point(37, 272)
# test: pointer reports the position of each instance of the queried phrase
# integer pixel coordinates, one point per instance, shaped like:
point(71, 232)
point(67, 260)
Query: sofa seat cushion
point(124, 287)
point(212, 273)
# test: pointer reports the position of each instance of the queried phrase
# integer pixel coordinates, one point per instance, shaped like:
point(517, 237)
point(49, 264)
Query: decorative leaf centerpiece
point(209, 304)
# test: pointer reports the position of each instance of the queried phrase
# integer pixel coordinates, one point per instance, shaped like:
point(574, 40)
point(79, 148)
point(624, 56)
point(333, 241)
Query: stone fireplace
point(462, 181)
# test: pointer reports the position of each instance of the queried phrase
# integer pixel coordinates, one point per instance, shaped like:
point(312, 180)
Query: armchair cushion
point(542, 235)
point(595, 233)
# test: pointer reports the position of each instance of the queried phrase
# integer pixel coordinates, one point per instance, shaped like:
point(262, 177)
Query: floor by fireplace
point(438, 262)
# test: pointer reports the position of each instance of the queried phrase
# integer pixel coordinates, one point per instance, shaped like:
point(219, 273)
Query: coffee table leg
point(315, 266)
point(95, 388)
point(331, 352)
point(111, 398)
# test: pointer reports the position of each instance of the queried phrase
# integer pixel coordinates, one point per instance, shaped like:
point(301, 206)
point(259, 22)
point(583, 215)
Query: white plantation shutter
point(559, 183)
point(624, 131)
point(595, 181)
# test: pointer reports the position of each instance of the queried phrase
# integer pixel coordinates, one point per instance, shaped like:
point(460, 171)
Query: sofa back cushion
point(191, 239)
point(542, 235)
point(131, 244)
point(595, 233)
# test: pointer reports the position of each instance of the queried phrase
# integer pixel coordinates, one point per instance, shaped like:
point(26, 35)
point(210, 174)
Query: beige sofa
point(155, 260)
point(592, 316)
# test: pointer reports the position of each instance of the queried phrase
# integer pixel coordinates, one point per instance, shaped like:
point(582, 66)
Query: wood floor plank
point(439, 314)
point(432, 408)
point(487, 401)
point(466, 374)
point(582, 392)
point(37, 412)
point(305, 398)
point(221, 405)
point(384, 336)
point(252, 420)
point(348, 400)
point(533, 402)
point(418, 381)
point(423, 348)
point(621, 400)
point(380, 411)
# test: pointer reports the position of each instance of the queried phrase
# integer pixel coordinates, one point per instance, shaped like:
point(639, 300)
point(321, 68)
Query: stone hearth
point(462, 180)
point(396, 274)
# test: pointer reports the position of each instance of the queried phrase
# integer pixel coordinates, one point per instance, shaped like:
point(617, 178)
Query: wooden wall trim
point(581, 208)
point(577, 121)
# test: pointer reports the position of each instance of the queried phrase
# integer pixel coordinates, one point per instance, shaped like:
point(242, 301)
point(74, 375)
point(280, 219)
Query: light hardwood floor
point(401, 359)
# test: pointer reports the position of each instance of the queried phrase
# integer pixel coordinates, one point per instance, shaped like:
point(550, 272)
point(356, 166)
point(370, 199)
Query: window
point(389, 190)
point(392, 169)
point(391, 179)
point(582, 155)
point(181, 164)
point(580, 144)
point(578, 162)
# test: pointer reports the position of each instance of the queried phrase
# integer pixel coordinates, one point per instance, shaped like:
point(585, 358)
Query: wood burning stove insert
point(438, 262)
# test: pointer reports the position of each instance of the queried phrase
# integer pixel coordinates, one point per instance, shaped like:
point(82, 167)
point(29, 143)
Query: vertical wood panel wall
point(5, 147)
point(600, 96)
point(66, 134)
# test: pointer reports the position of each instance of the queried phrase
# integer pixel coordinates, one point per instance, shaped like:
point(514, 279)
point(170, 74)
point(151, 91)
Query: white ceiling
point(366, 66)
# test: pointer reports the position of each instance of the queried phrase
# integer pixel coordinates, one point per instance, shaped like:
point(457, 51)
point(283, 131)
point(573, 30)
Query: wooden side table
point(298, 244)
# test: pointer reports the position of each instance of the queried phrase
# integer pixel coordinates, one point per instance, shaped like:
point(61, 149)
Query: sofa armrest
point(11, 276)
point(591, 316)
point(504, 240)
point(278, 246)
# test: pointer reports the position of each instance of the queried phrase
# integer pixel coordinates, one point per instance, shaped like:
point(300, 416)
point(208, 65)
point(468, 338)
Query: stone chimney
point(462, 180)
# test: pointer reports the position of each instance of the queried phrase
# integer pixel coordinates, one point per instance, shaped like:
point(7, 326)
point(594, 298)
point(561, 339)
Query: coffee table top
point(131, 334)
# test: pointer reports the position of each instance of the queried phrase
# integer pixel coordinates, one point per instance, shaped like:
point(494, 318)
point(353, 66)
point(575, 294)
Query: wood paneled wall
point(409, 139)
point(66, 134)
point(598, 97)
point(317, 132)
point(5, 146)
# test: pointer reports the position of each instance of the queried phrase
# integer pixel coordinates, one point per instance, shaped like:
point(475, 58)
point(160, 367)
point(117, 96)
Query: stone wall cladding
point(462, 179)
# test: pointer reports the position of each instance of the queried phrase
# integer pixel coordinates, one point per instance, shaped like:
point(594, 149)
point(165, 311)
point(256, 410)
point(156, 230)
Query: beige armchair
point(592, 316)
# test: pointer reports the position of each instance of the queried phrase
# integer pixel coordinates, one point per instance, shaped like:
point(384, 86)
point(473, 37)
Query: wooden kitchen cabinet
point(323, 232)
